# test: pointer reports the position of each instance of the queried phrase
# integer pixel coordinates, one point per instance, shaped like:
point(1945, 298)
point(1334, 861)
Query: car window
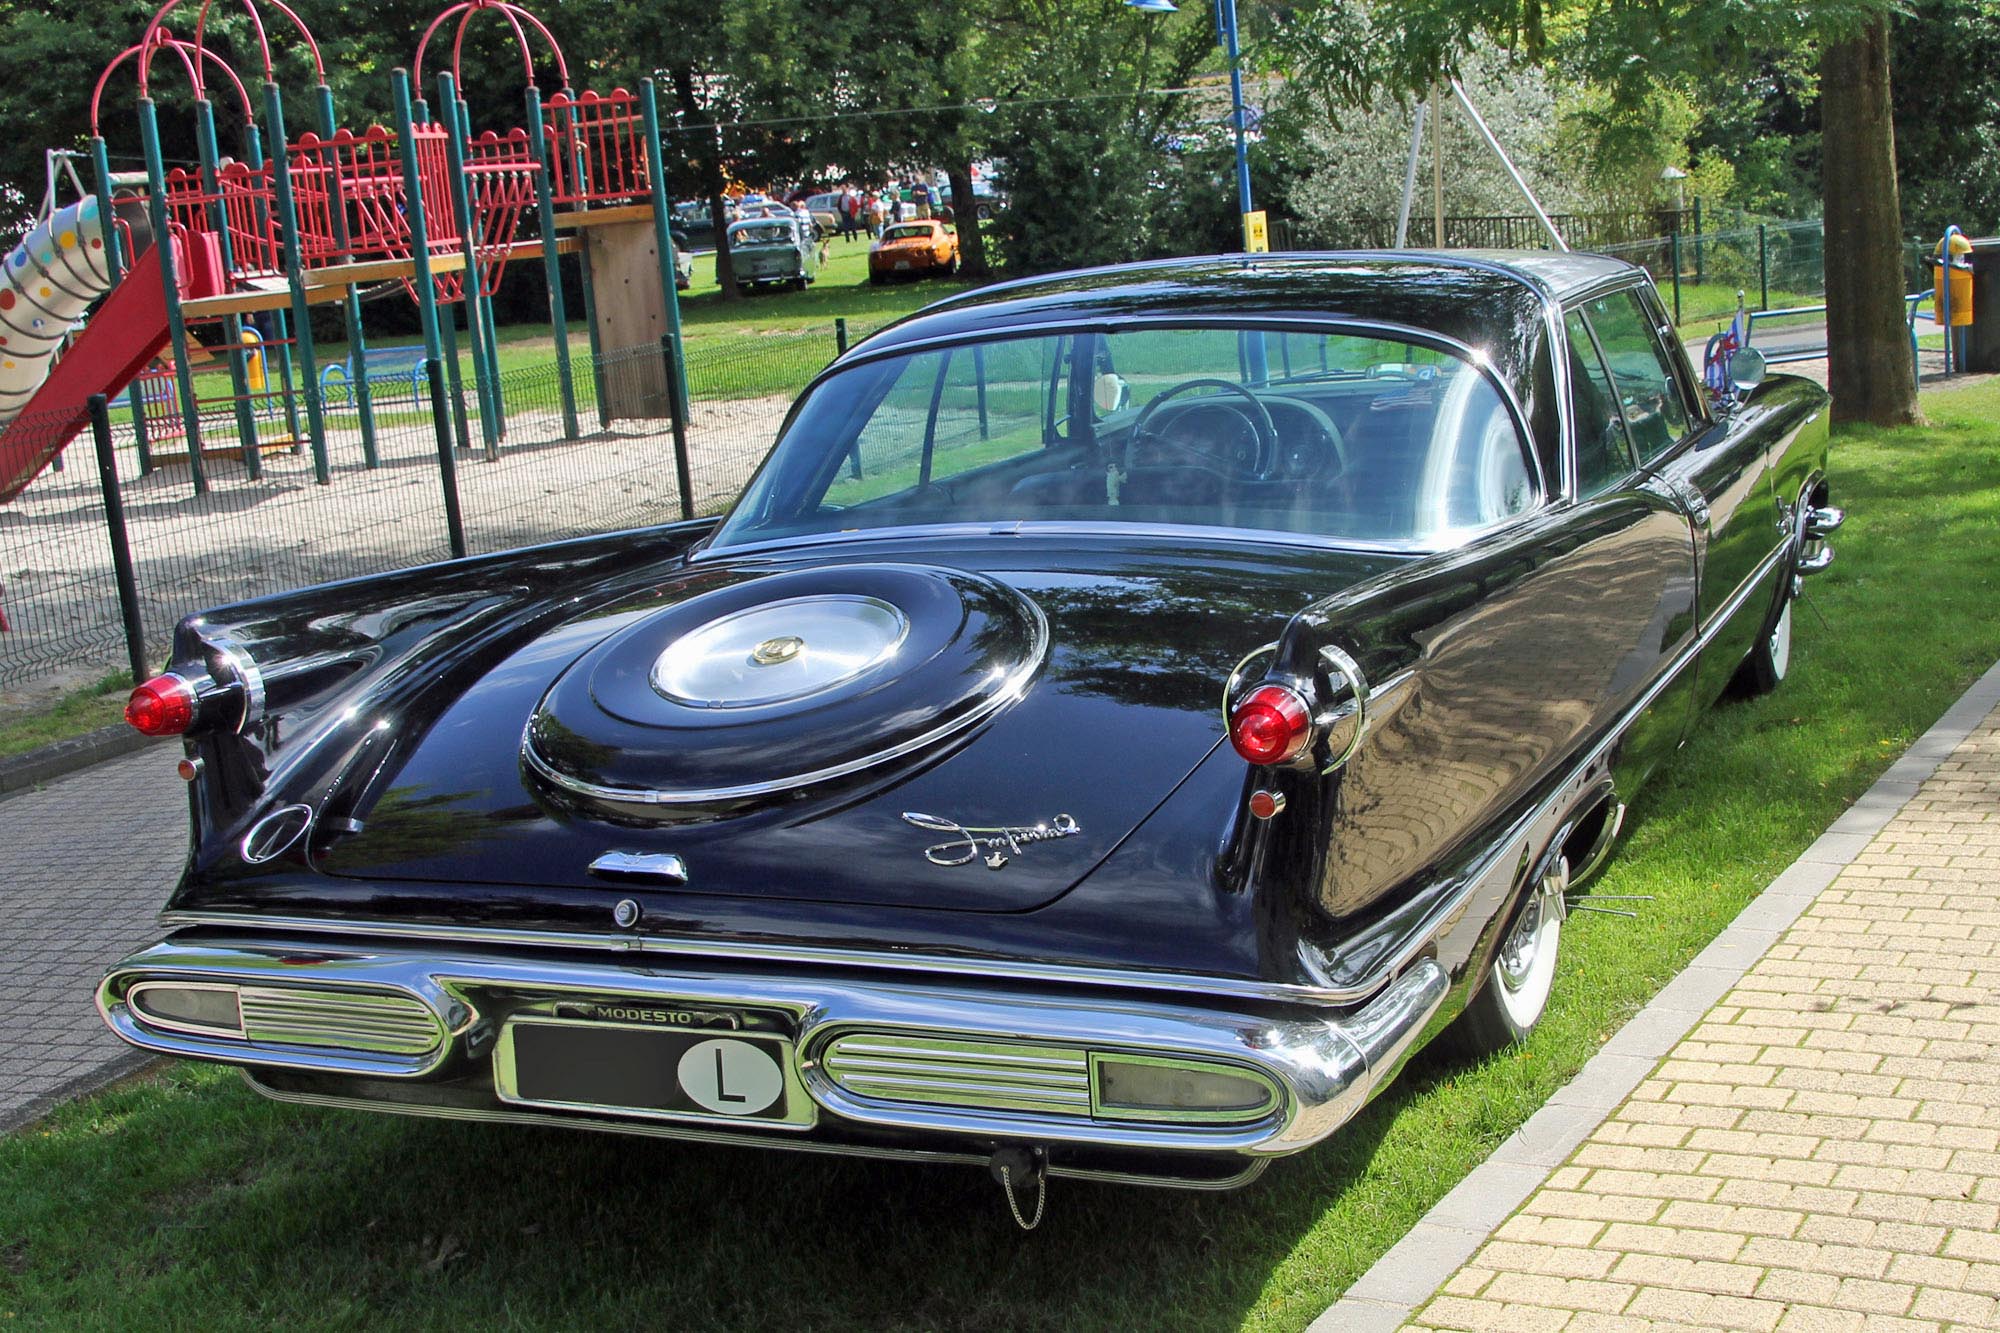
point(946, 413)
point(1603, 453)
point(1647, 388)
point(910, 232)
point(775, 234)
point(1220, 426)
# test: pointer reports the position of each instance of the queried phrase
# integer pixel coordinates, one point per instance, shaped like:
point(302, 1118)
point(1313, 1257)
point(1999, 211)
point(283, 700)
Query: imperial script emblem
point(995, 845)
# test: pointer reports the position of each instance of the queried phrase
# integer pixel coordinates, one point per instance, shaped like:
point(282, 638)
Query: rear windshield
point(907, 233)
point(1337, 434)
point(776, 233)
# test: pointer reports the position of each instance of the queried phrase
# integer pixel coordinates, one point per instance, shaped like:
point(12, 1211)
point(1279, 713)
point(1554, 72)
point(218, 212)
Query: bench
point(378, 364)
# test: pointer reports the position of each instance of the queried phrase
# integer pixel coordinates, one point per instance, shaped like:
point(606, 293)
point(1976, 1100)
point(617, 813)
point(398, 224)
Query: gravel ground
point(248, 537)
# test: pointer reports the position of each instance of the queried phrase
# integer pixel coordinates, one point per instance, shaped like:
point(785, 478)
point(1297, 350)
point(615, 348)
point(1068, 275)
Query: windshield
point(1337, 434)
point(906, 233)
point(775, 233)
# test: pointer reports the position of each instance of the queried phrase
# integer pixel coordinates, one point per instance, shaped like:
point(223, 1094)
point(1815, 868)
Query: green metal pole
point(589, 288)
point(441, 336)
point(288, 219)
point(1763, 266)
point(253, 149)
point(454, 374)
point(114, 260)
point(209, 153)
point(357, 345)
point(1677, 268)
point(156, 210)
point(1700, 275)
point(468, 233)
point(492, 404)
point(663, 235)
point(545, 214)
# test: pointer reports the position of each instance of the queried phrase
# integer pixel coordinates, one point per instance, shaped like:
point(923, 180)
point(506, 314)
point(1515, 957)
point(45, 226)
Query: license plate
point(669, 1074)
point(902, 263)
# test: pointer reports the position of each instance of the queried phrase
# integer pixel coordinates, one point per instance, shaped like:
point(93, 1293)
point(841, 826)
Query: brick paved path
point(85, 865)
point(1822, 1150)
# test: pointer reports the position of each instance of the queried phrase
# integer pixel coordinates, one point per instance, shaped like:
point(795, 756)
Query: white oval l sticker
point(731, 1077)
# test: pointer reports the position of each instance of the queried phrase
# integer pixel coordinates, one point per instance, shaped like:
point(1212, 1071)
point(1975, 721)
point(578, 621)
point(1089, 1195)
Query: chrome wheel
point(1779, 646)
point(1510, 1004)
point(1526, 966)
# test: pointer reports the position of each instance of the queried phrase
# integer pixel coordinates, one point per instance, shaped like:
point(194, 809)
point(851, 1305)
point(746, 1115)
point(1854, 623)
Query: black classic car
point(1125, 716)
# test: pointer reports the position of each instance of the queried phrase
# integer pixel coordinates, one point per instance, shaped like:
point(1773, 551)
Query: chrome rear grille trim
point(389, 1024)
point(945, 1072)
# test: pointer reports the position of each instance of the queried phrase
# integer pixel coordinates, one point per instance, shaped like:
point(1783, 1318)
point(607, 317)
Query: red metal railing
point(249, 214)
point(597, 148)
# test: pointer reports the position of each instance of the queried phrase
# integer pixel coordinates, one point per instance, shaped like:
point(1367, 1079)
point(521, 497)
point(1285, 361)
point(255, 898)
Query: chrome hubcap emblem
point(781, 649)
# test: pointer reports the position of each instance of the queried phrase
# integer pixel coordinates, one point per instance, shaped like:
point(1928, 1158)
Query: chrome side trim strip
point(1254, 1166)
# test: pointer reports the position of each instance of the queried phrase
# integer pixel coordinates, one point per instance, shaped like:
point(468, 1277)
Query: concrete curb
point(1403, 1280)
point(21, 772)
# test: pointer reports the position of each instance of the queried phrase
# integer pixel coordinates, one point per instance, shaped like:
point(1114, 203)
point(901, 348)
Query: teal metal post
point(253, 149)
point(209, 152)
point(288, 221)
point(115, 265)
point(545, 215)
point(1764, 266)
point(483, 304)
point(357, 345)
point(156, 210)
point(1699, 274)
point(413, 213)
point(468, 235)
point(1675, 239)
point(589, 288)
point(454, 374)
point(663, 235)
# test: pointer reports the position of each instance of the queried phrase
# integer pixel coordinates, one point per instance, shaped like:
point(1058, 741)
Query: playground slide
point(50, 278)
point(46, 283)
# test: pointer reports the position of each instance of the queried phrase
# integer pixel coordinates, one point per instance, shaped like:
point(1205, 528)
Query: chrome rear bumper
point(1322, 1067)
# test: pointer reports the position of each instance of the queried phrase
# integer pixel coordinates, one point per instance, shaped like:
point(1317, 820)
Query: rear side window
point(1647, 390)
point(1603, 455)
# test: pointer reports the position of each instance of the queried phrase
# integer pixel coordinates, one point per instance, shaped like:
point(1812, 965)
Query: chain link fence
point(520, 477)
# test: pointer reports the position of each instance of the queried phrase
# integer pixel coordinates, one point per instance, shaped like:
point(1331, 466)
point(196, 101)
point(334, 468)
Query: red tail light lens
point(1270, 724)
point(163, 706)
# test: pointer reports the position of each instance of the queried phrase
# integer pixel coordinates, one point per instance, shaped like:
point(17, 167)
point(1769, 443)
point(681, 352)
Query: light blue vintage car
point(775, 248)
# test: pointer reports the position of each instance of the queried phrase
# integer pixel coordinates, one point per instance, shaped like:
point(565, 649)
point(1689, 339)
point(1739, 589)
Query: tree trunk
point(708, 170)
point(1868, 341)
point(965, 211)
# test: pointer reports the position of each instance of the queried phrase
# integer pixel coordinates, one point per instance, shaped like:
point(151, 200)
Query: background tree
point(1630, 48)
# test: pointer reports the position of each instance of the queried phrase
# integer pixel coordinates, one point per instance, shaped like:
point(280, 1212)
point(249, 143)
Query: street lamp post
point(1225, 22)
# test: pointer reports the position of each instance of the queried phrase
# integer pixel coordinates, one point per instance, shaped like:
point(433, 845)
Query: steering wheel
point(1259, 418)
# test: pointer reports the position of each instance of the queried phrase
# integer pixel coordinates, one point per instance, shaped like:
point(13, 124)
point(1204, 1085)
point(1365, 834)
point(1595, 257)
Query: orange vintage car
point(912, 250)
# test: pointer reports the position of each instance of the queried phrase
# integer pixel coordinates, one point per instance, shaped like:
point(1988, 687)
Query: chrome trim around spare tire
point(1009, 690)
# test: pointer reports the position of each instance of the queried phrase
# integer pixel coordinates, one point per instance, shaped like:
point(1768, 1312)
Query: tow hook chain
point(1016, 1169)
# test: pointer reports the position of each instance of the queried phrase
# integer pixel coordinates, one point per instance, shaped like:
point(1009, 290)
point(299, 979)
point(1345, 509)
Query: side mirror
point(1747, 370)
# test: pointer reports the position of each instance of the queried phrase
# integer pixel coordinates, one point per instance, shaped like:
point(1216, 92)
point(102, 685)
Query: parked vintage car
point(1126, 715)
point(774, 248)
point(913, 250)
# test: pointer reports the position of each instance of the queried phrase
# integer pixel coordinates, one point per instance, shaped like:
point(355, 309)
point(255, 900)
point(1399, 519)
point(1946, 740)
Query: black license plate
point(703, 1075)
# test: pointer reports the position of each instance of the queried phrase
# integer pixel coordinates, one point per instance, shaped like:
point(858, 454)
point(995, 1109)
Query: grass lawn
point(101, 704)
point(185, 1201)
point(717, 326)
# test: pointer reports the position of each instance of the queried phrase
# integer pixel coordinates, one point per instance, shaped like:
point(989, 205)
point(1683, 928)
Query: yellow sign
point(1256, 233)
